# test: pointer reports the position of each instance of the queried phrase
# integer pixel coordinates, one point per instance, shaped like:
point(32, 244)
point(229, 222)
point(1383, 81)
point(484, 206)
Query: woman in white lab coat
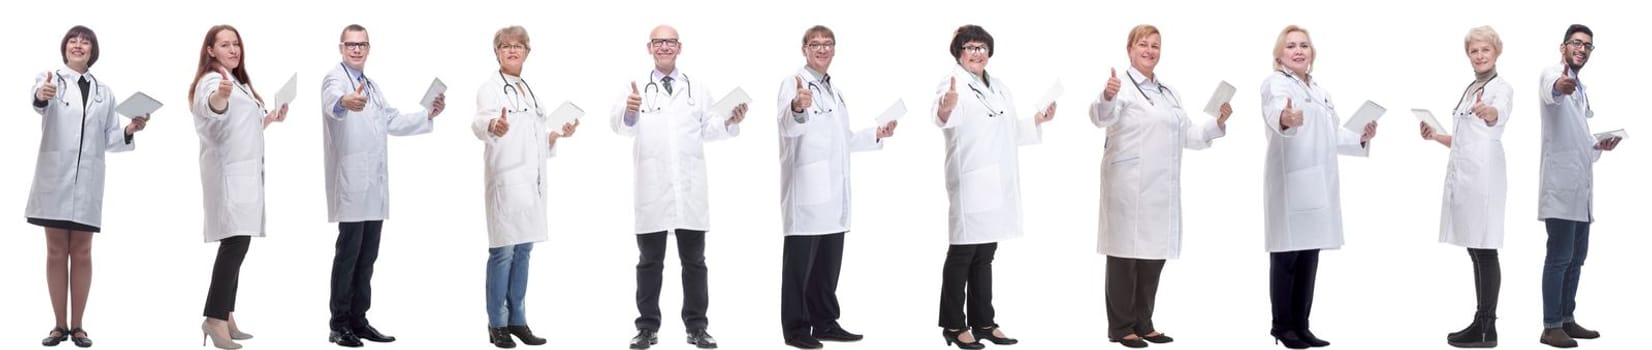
point(1141, 221)
point(1302, 193)
point(511, 122)
point(230, 117)
point(78, 125)
point(1476, 185)
point(976, 113)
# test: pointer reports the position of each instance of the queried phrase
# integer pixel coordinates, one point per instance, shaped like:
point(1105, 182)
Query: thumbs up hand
point(500, 126)
point(1112, 86)
point(356, 101)
point(1484, 111)
point(950, 100)
point(48, 90)
point(804, 99)
point(1290, 117)
point(633, 102)
point(1566, 84)
point(224, 84)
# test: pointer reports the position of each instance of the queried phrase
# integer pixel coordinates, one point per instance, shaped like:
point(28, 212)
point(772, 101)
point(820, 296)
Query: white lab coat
point(232, 160)
point(514, 165)
point(983, 181)
point(814, 157)
point(1567, 182)
point(1476, 183)
point(357, 165)
point(668, 151)
point(1302, 189)
point(1141, 205)
point(69, 173)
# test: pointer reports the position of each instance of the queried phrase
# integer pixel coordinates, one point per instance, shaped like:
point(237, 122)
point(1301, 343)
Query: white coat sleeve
point(1545, 86)
point(403, 124)
point(791, 123)
point(712, 127)
point(1027, 130)
point(1104, 113)
point(333, 89)
point(117, 139)
point(1275, 91)
point(1347, 140)
point(549, 150)
point(1202, 131)
point(624, 122)
point(935, 108)
point(488, 107)
point(865, 140)
point(203, 97)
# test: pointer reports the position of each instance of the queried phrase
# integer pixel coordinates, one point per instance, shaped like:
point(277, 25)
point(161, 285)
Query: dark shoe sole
point(1483, 344)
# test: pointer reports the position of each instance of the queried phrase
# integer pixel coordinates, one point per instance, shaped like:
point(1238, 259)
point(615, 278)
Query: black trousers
point(226, 276)
point(808, 283)
point(1488, 280)
point(691, 251)
point(967, 276)
point(353, 256)
point(1291, 288)
point(1132, 286)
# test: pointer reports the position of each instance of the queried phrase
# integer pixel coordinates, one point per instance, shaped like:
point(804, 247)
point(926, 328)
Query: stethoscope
point(1175, 101)
point(1306, 90)
point(982, 95)
point(816, 90)
point(519, 105)
point(370, 85)
point(653, 98)
point(1471, 89)
point(97, 91)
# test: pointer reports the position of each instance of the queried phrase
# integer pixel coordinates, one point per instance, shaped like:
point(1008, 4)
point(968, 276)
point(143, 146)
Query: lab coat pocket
point(1561, 173)
point(54, 171)
point(1305, 189)
point(982, 188)
point(513, 197)
point(243, 190)
point(355, 174)
point(813, 184)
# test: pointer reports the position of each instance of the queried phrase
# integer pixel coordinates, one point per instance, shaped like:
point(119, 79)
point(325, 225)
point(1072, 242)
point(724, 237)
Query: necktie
point(667, 82)
point(85, 90)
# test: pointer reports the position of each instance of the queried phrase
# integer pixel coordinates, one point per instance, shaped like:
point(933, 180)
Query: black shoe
point(1290, 339)
point(986, 334)
point(836, 334)
point(500, 337)
point(1130, 343)
point(804, 342)
point(1312, 340)
point(522, 332)
point(369, 333)
point(644, 339)
point(344, 338)
point(1159, 339)
point(1557, 337)
point(701, 339)
point(58, 335)
point(952, 338)
point(79, 337)
point(1480, 334)
point(1578, 332)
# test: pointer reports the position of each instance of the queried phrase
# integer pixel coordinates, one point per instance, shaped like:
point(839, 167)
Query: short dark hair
point(820, 31)
point(84, 34)
point(351, 28)
point(970, 33)
point(1576, 28)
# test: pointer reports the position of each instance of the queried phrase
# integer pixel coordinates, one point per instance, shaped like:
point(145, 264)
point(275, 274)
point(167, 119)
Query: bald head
point(663, 44)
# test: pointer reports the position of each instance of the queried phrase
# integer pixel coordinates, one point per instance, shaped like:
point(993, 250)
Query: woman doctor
point(510, 121)
point(230, 118)
point(982, 129)
point(1476, 185)
point(1302, 193)
point(1141, 217)
point(78, 125)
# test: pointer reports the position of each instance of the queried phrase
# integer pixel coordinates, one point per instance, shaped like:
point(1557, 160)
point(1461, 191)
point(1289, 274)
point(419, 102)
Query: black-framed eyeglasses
point(362, 45)
point(822, 46)
point(513, 47)
point(664, 42)
point(977, 49)
point(1587, 46)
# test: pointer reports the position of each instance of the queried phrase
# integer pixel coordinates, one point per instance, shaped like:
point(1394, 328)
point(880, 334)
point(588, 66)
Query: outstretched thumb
point(634, 87)
point(799, 82)
point(361, 87)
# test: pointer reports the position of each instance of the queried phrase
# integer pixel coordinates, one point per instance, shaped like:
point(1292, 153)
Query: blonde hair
point(1138, 33)
point(1279, 47)
point(1486, 35)
point(511, 32)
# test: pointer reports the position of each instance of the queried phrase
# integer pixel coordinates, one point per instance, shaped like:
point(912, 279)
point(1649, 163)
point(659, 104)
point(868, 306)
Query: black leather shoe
point(804, 342)
point(1578, 332)
point(500, 337)
point(522, 332)
point(1130, 343)
point(836, 334)
point(1159, 339)
point(344, 338)
point(57, 336)
point(1312, 340)
point(644, 339)
point(369, 333)
point(986, 334)
point(701, 339)
point(78, 336)
point(1557, 337)
point(952, 338)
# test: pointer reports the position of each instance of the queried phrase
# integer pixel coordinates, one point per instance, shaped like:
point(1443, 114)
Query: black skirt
point(64, 224)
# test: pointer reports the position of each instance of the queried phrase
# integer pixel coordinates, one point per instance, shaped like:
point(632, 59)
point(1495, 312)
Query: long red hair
point(209, 65)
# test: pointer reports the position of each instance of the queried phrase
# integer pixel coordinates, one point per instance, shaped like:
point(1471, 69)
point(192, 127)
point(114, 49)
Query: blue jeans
point(1568, 246)
point(507, 283)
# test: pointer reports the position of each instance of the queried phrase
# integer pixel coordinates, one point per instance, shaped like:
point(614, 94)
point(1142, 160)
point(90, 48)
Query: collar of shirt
point(824, 80)
point(354, 74)
point(978, 79)
point(510, 79)
point(69, 75)
point(1142, 81)
point(676, 76)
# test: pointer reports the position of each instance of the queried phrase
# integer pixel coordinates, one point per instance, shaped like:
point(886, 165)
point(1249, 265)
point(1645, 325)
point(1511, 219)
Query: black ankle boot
point(1482, 333)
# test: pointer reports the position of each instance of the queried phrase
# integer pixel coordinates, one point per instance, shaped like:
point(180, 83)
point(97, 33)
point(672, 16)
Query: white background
point(1392, 286)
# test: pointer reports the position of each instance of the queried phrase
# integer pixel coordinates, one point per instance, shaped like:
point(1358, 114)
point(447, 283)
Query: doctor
point(67, 195)
point(815, 142)
point(983, 131)
point(1303, 196)
point(1476, 186)
point(356, 124)
point(1141, 219)
point(230, 118)
point(670, 118)
point(1566, 200)
point(511, 123)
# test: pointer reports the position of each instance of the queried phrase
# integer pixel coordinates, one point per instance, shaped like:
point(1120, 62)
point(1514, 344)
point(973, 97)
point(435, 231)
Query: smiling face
point(226, 49)
point(1297, 54)
point(1144, 54)
point(511, 52)
point(974, 57)
point(1483, 56)
point(1577, 48)
point(819, 51)
point(664, 45)
point(354, 48)
point(77, 52)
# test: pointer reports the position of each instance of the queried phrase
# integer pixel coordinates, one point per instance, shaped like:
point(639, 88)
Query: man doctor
point(815, 142)
point(670, 117)
point(358, 118)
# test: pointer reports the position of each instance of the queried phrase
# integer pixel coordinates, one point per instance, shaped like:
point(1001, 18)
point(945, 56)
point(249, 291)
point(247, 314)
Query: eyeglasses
point(664, 42)
point(977, 49)
point(1587, 46)
point(513, 47)
point(821, 46)
point(361, 45)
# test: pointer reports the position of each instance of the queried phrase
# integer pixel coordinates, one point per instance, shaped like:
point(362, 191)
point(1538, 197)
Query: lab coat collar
point(1141, 79)
point(1287, 72)
point(510, 79)
point(815, 76)
point(982, 79)
point(676, 75)
point(352, 72)
point(70, 76)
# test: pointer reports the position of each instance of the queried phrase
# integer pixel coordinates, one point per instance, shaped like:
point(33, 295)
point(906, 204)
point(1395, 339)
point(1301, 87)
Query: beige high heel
point(218, 342)
point(235, 332)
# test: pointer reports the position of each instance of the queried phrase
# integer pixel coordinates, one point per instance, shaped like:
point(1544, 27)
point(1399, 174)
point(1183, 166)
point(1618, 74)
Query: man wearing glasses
point(1566, 199)
point(815, 142)
point(669, 116)
point(358, 118)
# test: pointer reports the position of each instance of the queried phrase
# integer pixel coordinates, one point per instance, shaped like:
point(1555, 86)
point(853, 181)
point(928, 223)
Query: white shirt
point(74, 134)
point(983, 180)
point(814, 157)
point(668, 150)
point(356, 157)
point(1302, 187)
